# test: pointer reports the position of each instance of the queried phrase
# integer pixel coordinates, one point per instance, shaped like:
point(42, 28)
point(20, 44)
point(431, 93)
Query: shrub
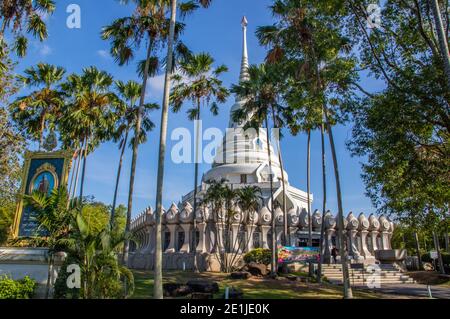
point(259, 255)
point(17, 289)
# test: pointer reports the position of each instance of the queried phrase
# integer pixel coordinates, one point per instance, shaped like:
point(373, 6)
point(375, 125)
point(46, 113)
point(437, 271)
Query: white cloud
point(45, 50)
point(155, 86)
point(104, 54)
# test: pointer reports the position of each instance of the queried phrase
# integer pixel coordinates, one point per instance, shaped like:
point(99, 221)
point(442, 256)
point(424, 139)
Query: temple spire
point(244, 64)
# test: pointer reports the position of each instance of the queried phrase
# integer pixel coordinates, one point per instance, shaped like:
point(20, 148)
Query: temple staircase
point(367, 275)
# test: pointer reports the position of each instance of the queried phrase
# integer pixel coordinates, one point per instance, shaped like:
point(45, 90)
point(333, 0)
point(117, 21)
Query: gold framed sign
point(42, 172)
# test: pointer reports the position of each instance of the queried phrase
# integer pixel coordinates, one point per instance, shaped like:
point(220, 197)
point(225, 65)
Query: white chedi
point(172, 214)
point(384, 224)
point(374, 223)
point(352, 222)
point(363, 222)
point(316, 220)
point(304, 219)
point(252, 218)
point(265, 216)
point(186, 213)
point(293, 217)
point(279, 217)
point(330, 220)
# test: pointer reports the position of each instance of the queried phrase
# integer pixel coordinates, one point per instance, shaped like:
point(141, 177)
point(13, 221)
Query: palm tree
point(200, 84)
point(442, 36)
point(130, 93)
point(148, 23)
point(249, 199)
point(222, 199)
point(90, 115)
point(24, 15)
point(302, 39)
point(42, 108)
point(53, 217)
point(261, 98)
point(158, 291)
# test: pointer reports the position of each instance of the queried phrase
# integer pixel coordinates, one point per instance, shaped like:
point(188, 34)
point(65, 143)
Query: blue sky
point(217, 31)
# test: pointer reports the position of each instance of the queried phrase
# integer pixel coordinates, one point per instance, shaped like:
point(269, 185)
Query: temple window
point(243, 179)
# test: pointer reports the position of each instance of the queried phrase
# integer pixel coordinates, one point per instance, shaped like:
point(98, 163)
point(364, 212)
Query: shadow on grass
point(254, 288)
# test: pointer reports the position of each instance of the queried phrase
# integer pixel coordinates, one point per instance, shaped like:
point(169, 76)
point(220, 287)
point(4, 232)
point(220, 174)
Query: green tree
point(54, 219)
point(22, 17)
point(148, 23)
point(12, 145)
point(129, 93)
point(308, 35)
point(402, 131)
point(41, 109)
point(90, 113)
point(200, 84)
point(186, 7)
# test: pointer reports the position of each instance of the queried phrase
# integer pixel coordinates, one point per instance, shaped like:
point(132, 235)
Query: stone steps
point(388, 274)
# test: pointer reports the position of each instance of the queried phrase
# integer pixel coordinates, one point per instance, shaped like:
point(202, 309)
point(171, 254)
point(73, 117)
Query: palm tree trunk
point(438, 249)
point(80, 157)
point(119, 170)
point(126, 246)
point(49, 275)
point(197, 136)
point(274, 232)
point(324, 203)
point(41, 133)
point(308, 186)
point(158, 291)
point(419, 257)
point(447, 246)
point(442, 35)
point(75, 186)
point(348, 294)
point(283, 180)
point(83, 173)
point(72, 178)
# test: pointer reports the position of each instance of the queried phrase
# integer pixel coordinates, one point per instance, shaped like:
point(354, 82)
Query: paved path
point(412, 290)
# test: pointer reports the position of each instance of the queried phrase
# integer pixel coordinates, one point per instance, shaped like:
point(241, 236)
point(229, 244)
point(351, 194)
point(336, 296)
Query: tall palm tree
point(442, 36)
point(28, 15)
point(148, 23)
point(261, 97)
point(90, 114)
point(199, 83)
point(301, 38)
point(158, 291)
point(324, 202)
point(42, 108)
point(129, 93)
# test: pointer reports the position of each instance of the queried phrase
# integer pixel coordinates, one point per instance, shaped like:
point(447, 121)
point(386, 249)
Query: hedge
point(17, 289)
point(259, 255)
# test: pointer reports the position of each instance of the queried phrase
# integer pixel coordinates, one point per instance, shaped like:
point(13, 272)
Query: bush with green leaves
point(259, 255)
point(17, 289)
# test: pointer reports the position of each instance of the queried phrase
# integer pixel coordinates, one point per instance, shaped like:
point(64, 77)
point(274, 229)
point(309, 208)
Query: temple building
point(243, 160)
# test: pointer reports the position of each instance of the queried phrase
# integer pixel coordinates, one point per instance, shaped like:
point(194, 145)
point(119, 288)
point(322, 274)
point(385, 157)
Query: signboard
point(42, 172)
point(433, 254)
point(298, 254)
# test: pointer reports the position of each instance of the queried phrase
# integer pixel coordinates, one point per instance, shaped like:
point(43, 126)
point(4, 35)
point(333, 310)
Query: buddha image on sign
point(44, 183)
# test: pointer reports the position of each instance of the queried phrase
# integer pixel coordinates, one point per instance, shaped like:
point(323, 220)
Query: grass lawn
point(254, 288)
